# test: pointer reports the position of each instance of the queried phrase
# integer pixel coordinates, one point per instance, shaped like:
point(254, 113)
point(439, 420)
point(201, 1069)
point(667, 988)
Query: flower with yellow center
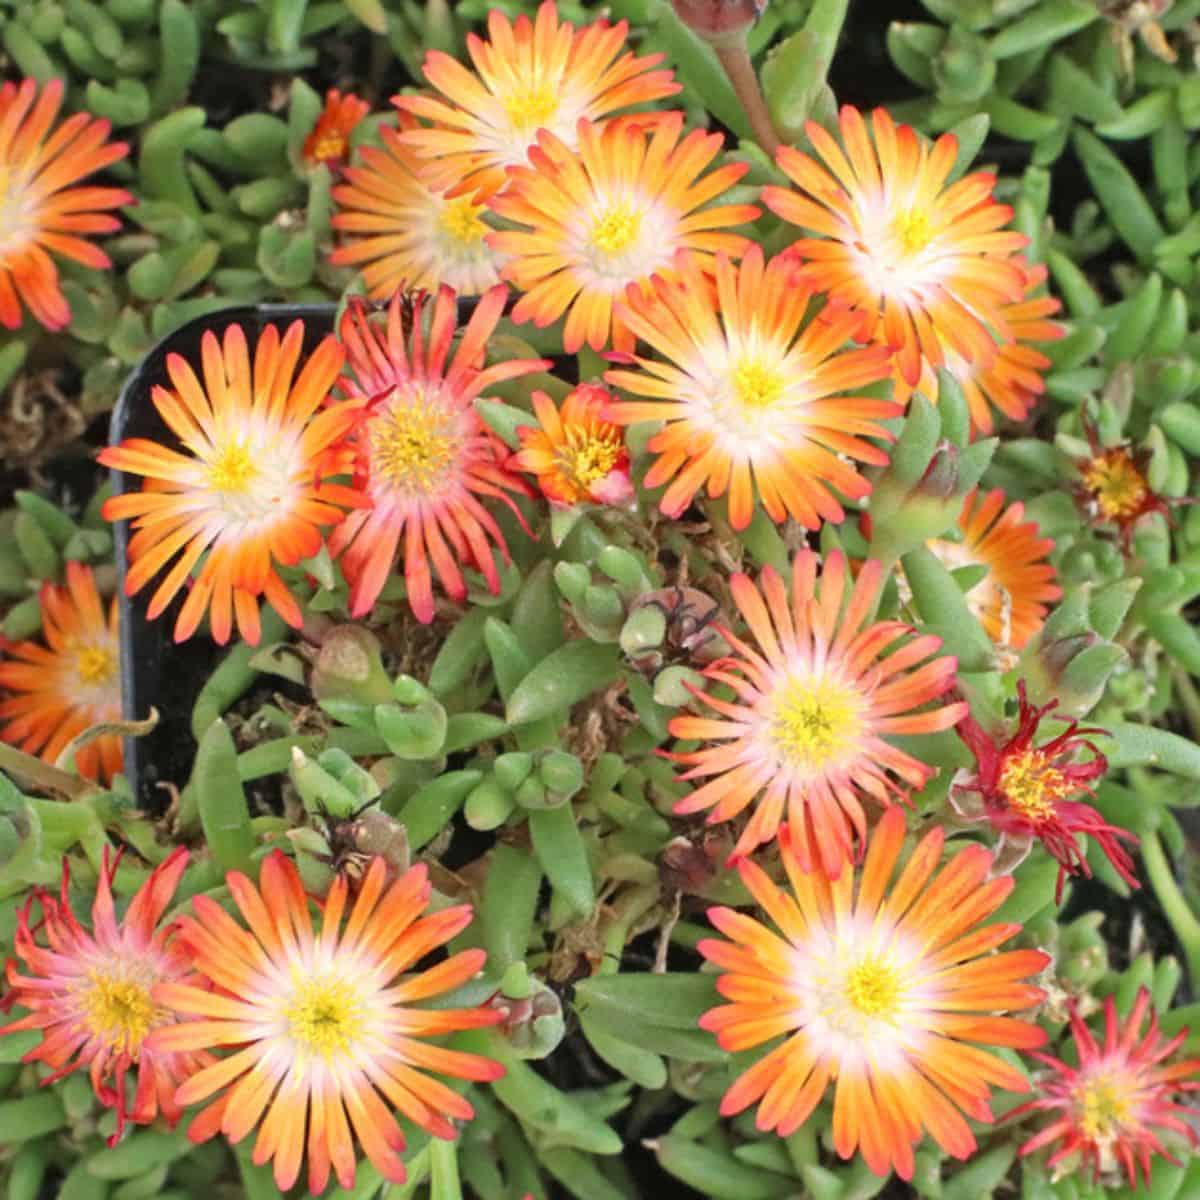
point(576, 453)
point(324, 1025)
point(249, 489)
point(753, 400)
point(91, 992)
point(927, 263)
point(596, 222)
point(329, 140)
point(1011, 600)
point(422, 455)
point(404, 232)
point(528, 76)
point(55, 691)
point(884, 987)
point(1119, 1106)
point(42, 211)
point(817, 693)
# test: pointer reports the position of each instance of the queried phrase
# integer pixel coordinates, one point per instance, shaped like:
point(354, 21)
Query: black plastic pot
point(155, 672)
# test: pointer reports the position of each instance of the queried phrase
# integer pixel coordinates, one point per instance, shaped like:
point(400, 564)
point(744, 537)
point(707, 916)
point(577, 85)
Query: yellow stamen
point(617, 229)
point(1033, 785)
point(586, 457)
point(755, 385)
point(324, 1016)
point(529, 108)
point(118, 1009)
point(815, 721)
point(1103, 1109)
point(913, 230)
point(414, 443)
point(330, 144)
point(95, 664)
point(233, 470)
point(1116, 484)
point(460, 221)
point(873, 988)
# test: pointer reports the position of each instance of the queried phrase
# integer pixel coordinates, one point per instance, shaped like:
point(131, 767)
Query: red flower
point(329, 141)
point(1025, 793)
point(1111, 1107)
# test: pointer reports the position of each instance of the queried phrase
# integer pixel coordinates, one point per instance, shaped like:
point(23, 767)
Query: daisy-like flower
point(886, 986)
point(750, 404)
point(610, 216)
point(1024, 792)
point(422, 454)
point(1110, 1110)
point(1010, 600)
point(815, 699)
point(42, 211)
point(90, 992)
point(404, 232)
point(1014, 381)
point(58, 690)
point(529, 76)
point(329, 140)
point(325, 1024)
point(577, 454)
point(250, 487)
point(929, 264)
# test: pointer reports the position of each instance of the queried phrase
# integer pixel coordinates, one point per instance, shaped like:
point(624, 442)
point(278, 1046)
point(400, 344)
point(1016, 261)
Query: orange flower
point(423, 456)
point(90, 993)
point(71, 683)
point(324, 1023)
point(531, 76)
point(250, 486)
point(1010, 600)
point(329, 140)
point(889, 991)
point(750, 403)
point(816, 697)
point(407, 232)
point(577, 453)
point(43, 212)
point(610, 216)
point(1110, 1110)
point(928, 264)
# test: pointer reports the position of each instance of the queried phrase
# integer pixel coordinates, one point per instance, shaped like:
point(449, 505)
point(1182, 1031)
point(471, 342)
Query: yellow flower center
point(324, 1016)
point(913, 230)
point(460, 221)
point(529, 108)
point(95, 664)
point(616, 230)
point(414, 444)
point(815, 720)
point(1032, 785)
point(587, 457)
point(118, 1009)
point(233, 471)
point(1116, 484)
point(756, 386)
point(1103, 1108)
point(873, 988)
point(330, 144)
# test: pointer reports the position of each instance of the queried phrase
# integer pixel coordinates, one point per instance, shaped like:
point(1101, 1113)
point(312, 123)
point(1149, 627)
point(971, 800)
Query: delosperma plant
point(673, 656)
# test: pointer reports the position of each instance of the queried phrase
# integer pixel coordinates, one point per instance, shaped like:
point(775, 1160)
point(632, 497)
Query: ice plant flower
point(816, 698)
point(422, 454)
point(887, 987)
point(42, 211)
point(1010, 600)
point(90, 992)
point(324, 1023)
point(751, 405)
point(329, 140)
point(250, 488)
point(609, 216)
point(73, 682)
point(576, 453)
point(929, 264)
point(405, 233)
point(529, 76)
point(1024, 792)
point(1111, 1109)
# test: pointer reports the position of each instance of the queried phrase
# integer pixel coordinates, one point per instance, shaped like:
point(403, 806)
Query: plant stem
point(735, 59)
point(1183, 921)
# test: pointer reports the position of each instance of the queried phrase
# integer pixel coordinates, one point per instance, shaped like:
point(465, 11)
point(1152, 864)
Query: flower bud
point(719, 21)
point(349, 666)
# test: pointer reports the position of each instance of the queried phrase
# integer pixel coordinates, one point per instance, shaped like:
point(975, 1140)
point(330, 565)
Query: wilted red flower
point(329, 141)
point(1024, 792)
point(1110, 1108)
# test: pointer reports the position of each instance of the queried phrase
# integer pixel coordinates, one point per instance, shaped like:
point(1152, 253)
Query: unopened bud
point(349, 666)
point(719, 21)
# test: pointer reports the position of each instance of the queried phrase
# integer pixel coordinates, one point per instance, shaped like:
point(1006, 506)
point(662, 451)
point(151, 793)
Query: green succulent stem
point(735, 59)
point(31, 770)
point(1183, 920)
